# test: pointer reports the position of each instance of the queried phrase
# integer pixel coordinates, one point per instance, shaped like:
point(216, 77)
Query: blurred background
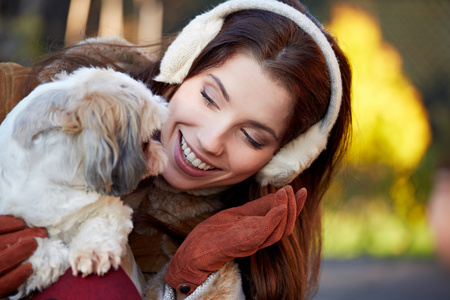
point(387, 216)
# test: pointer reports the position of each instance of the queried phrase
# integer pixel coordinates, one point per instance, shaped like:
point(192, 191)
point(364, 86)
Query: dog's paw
point(102, 237)
point(156, 158)
point(97, 260)
point(49, 261)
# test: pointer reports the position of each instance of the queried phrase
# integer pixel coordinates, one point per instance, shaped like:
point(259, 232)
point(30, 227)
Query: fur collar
point(155, 197)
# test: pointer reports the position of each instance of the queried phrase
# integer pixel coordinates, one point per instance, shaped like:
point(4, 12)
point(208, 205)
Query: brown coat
point(151, 249)
point(13, 81)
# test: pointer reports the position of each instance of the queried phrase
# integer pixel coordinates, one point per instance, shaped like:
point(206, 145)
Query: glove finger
point(281, 196)
point(258, 207)
point(13, 256)
point(8, 239)
point(273, 226)
point(294, 204)
point(248, 235)
point(300, 197)
point(291, 215)
point(14, 279)
point(261, 206)
point(274, 223)
point(9, 223)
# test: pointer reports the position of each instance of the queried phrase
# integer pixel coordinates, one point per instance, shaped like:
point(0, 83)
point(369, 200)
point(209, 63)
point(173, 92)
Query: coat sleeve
point(14, 80)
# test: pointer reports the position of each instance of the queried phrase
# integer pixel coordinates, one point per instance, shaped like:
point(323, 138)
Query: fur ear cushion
point(293, 158)
point(187, 46)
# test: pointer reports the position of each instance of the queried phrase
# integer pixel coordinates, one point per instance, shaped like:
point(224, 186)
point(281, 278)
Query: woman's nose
point(212, 139)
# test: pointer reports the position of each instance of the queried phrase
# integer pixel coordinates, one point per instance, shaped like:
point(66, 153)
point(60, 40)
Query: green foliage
point(377, 205)
point(371, 212)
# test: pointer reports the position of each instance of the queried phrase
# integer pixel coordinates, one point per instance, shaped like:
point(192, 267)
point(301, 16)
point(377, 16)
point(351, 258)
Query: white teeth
point(191, 158)
point(196, 162)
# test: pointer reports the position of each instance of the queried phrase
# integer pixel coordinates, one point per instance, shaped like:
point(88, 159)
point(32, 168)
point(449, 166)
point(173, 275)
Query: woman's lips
point(191, 158)
point(187, 162)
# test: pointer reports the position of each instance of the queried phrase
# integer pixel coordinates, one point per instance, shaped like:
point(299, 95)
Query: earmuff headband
point(298, 154)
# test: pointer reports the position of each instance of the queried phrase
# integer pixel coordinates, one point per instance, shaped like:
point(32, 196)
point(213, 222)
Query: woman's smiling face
point(224, 125)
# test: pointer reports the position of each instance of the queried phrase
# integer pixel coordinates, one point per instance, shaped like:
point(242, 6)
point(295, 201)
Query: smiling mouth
point(190, 157)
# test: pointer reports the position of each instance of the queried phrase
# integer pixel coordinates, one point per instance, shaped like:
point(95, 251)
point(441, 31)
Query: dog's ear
point(43, 114)
point(114, 160)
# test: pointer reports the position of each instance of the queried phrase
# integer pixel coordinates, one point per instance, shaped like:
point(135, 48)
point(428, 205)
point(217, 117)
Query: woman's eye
point(252, 142)
point(208, 99)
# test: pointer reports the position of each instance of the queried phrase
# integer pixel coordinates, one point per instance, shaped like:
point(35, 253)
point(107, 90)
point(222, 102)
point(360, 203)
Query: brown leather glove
point(235, 232)
point(17, 243)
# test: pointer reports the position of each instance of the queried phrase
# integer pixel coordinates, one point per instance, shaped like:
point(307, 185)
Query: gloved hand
point(235, 232)
point(17, 243)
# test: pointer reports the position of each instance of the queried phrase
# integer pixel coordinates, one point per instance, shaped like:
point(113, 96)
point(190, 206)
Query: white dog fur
point(68, 150)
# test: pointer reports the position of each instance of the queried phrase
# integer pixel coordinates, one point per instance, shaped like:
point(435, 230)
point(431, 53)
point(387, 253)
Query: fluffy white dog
point(67, 151)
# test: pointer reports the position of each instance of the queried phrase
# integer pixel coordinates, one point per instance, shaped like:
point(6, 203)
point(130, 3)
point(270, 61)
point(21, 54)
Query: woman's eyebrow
point(222, 88)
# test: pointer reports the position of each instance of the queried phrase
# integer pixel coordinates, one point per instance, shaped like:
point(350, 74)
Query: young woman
point(259, 98)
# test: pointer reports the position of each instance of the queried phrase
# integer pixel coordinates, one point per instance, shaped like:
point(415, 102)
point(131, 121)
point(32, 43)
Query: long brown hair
point(288, 269)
